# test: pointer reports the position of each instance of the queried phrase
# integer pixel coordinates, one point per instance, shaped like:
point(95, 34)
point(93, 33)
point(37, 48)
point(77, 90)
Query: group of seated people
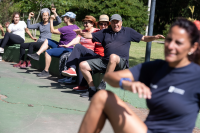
point(171, 86)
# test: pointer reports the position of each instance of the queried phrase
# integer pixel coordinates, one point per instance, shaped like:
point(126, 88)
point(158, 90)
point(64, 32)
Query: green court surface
point(42, 105)
point(38, 105)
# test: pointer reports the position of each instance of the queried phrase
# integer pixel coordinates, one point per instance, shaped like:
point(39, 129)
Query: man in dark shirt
point(116, 42)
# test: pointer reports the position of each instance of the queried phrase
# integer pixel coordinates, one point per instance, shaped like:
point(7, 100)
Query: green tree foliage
point(167, 11)
point(133, 12)
point(5, 15)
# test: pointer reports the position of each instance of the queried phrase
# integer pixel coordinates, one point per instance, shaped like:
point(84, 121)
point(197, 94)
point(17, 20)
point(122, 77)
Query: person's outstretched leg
point(73, 60)
point(106, 105)
point(44, 47)
point(56, 52)
point(11, 38)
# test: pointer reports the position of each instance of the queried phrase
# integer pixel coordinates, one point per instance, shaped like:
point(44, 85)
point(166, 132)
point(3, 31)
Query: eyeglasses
point(86, 22)
point(105, 24)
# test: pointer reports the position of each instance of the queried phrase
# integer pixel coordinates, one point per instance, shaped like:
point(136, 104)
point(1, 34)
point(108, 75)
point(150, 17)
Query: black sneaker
point(34, 56)
point(85, 95)
point(91, 93)
point(88, 94)
point(43, 74)
point(102, 85)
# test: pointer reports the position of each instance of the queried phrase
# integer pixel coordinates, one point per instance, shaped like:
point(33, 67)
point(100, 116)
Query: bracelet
point(122, 79)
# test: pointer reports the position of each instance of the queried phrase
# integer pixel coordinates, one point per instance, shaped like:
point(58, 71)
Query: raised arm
point(83, 34)
point(73, 42)
point(28, 32)
point(7, 25)
point(55, 23)
point(29, 25)
point(113, 79)
point(2, 32)
point(151, 38)
point(54, 31)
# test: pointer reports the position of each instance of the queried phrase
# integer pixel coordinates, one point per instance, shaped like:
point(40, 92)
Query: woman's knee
point(114, 58)
point(49, 52)
point(83, 65)
point(103, 96)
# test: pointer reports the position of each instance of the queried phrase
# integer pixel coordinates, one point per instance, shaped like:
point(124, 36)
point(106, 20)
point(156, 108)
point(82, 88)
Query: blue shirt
point(117, 42)
point(175, 101)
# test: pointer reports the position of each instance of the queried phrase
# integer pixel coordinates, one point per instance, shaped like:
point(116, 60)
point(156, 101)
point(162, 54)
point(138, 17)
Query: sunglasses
point(105, 24)
point(86, 22)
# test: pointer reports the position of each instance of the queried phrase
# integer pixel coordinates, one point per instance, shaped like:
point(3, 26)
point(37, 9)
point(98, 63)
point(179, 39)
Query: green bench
point(12, 54)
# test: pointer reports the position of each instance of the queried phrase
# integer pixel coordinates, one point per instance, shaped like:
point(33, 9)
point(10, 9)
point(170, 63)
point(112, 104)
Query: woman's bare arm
point(113, 79)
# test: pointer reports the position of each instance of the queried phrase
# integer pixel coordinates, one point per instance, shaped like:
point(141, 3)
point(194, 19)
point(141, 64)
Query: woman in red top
point(86, 50)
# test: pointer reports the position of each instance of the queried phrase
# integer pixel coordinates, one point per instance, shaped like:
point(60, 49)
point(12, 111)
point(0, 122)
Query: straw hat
point(90, 18)
point(197, 23)
point(104, 18)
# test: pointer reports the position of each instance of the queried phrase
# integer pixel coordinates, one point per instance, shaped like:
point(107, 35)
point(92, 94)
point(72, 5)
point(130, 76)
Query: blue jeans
point(55, 50)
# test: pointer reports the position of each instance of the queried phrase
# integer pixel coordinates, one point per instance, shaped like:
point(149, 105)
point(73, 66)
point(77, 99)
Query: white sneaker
point(1, 50)
point(0, 58)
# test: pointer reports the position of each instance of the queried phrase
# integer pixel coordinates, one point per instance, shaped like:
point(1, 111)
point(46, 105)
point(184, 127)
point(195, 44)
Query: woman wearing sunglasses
point(81, 52)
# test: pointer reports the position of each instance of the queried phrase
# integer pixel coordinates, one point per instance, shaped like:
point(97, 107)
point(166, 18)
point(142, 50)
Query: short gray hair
point(45, 10)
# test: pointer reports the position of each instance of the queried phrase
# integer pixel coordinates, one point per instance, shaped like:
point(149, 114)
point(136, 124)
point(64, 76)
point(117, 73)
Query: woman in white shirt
point(15, 32)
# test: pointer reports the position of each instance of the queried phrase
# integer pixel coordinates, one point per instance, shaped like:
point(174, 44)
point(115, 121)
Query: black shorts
point(100, 64)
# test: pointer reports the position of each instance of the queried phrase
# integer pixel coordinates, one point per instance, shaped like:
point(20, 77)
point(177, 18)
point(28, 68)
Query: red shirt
point(94, 46)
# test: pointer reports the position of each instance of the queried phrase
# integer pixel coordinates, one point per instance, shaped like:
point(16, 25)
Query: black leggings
point(30, 46)
point(10, 39)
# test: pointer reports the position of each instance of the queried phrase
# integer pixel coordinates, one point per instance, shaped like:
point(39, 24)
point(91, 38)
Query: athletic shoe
point(85, 95)
point(89, 93)
point(18, 64)
point(62, 80)
point(25, 64)
point(34, 56)
point(67, 80)
point(80, 88)
point(102, 85)
point(28, 63)
point(69, 73)
point(0, 58)
point(43, 74)
point(1, 50)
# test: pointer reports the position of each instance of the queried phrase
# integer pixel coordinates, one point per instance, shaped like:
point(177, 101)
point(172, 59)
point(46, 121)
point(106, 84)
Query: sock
point(93, 88)
point(72, 68)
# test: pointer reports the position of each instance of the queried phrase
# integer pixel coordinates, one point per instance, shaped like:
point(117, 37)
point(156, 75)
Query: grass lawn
point(137, 50)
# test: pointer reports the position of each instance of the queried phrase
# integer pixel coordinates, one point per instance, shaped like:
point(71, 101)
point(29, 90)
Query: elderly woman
point(15, 32)
point(45, 33)
point(84, 52)
point(57, 48)
point(171, 87)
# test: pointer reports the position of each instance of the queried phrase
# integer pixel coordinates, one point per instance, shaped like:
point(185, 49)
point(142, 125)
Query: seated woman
point(45, 33)
point(57, 48)
point(81, 53)
point(171, 87)
point(15, 32)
